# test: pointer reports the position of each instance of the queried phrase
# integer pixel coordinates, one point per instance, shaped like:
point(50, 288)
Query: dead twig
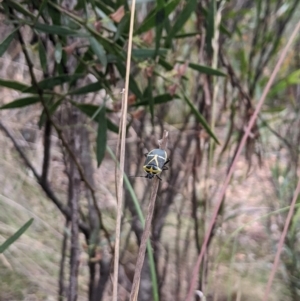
point(147, 230)
point(119, 180)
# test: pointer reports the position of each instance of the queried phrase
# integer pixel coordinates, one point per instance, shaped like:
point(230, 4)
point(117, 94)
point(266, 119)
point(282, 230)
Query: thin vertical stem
point(122, 158)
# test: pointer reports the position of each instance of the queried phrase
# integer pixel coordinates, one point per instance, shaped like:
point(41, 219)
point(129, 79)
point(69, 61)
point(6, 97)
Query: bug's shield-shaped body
point(154, 163)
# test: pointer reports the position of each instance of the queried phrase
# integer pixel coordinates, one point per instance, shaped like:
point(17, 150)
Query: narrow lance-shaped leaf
point(58, 53)
point(150, 20)
point(145, 53)
point(101, 135)
point(200, 118)
point(15, 236)
point(41, 8)
point(50, 83)
point(94, 87)
point(206, 70)
point(13, 85)
point(210, 25)
point(99, 51)
point(21, 102)
point(90, 110)
point(183, 17)
point(6, 42)
point(43, 55)
point(59, 30)
point(163, 98)
point(160, 18)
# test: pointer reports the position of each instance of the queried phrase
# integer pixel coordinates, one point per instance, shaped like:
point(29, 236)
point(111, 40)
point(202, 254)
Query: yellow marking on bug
point(152, 169)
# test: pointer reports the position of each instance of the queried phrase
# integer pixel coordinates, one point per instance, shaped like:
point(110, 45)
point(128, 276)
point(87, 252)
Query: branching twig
point(146, 233)
point(228, 177)
point(60, 134)
point(44, 184)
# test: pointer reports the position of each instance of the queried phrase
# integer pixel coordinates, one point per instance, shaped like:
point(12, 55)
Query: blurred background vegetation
point(198, 70)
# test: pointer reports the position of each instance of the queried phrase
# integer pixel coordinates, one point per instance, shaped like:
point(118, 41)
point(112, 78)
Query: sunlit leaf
point(281, 85)
point(58, 53)
point(15, 236)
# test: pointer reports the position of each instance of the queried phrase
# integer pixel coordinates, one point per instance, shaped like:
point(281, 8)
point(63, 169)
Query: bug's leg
point(159, 177)
point(165, 167)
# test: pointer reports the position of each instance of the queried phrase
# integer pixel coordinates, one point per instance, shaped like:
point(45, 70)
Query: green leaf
point(6, 42)
point(59, 30)
point(15, 236)
point(50, 83)
point(13, 85)
point(186, 35)
point(101, 135)
point(200, 118)
point(151, 19)
point(86, 108)
point(99, 51)
point(94, 87)
point(90, 111)
point(58, 53)
point(163, 98)
point(21, 8)
point(159, 26)
point(281, 85)
point(21, 102)
point(210, 25)
point(206, 70)
point(183, 17)
point(112, 127)
point(147, 53)
point(122, 26)
point(41, 9)
point(43, 55)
